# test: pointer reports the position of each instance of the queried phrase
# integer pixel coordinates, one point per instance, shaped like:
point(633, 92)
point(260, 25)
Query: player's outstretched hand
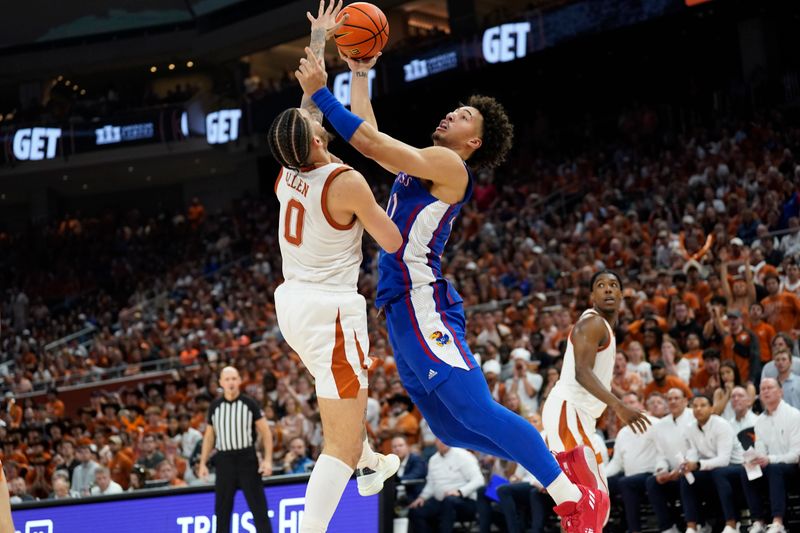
point(631, 417)
point(326, 18)
point(360, 65)
point(311, 73)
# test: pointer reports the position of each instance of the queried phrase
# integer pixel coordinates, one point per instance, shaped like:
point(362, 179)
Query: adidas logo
point(591, 503)
point(432, 373)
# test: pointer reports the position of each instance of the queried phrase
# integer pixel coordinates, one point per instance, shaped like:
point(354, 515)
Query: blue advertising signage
point(193, 512)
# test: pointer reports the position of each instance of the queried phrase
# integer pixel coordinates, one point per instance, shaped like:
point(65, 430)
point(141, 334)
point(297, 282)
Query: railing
point(89, 329)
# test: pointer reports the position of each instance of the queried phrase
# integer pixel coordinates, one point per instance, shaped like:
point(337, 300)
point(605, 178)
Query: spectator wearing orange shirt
point(658, 303)
point(663, 383)
point(741, 346)
point(196, 213)
point(743, 292)
point(707, 379)
point(154, 421)
point(399, 423)
point(622, 380)
point(680, 281)
point(781, 309)
point(54, 406)
point(121, 462)
point(694, 354)
point(763, 331)
point(166, 471)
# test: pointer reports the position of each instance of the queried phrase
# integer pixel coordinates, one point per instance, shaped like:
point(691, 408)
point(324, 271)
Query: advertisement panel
point(193, 512)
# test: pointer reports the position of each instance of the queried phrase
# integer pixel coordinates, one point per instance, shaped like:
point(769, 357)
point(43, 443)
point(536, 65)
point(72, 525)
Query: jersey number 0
point(293, 224)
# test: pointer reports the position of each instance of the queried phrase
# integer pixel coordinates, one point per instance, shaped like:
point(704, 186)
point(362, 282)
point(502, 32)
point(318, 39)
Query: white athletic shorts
point(567, 427)
point(328, 330)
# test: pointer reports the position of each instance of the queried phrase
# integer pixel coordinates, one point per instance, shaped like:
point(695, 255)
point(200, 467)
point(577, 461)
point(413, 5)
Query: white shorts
point(567, 427)
point(328, 330)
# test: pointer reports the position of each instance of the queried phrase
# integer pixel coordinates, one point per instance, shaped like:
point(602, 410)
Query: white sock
point(325, 487)
point(368, 457)
point(563, 490)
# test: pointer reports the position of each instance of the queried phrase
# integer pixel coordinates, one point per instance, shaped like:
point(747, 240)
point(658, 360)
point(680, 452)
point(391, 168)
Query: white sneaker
point(757, 527)
point(705, 528)
point(690, 530)
point(730, 529)
point(371, 481)
point(776, 528)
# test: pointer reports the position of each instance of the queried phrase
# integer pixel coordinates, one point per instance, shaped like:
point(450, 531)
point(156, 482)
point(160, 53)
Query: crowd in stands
point(701, 227)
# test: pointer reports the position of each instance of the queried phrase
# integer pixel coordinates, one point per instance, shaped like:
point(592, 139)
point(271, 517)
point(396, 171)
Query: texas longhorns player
point(583, 390)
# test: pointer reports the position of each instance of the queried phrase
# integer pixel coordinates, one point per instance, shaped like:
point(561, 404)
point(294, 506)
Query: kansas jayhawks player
point(424, 313)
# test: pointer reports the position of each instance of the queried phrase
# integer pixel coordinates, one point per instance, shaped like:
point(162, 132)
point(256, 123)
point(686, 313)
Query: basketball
point(365, 33)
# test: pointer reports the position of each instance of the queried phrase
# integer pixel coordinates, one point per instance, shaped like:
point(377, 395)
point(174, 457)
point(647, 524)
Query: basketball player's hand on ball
point(360, 65)
point(311, 73)
point(632, 417)
point(326, 18)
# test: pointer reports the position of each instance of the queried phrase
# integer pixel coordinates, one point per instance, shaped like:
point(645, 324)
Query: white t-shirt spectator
point(747, 421)
point(531, 403)
point(458, 469)
point(715, 445)
point(634, 453)
point(83, 476)
point(644, 371)
point(668, 436)
point(187, 441)
point(778, 434)
point(113, 488)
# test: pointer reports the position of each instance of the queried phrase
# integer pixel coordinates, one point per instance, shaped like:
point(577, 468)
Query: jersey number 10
point(293, 224)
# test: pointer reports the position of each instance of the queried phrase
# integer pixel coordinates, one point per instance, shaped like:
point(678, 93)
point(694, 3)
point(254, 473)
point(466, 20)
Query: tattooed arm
point(322, 27)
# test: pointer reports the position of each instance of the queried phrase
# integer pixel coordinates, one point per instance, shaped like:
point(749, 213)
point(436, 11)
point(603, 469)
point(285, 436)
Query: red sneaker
point(580, 466)
point(587, 515)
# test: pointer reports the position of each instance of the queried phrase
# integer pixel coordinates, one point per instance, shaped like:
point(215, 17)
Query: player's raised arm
point(360, 103)
point(350, 191)
point(587, 335)
point(435, 163)
point(322, 27)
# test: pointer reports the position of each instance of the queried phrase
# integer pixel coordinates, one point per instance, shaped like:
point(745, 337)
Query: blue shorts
point(427, 333)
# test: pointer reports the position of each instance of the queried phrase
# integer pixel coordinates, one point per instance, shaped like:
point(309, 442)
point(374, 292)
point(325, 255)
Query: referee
point(232, 421)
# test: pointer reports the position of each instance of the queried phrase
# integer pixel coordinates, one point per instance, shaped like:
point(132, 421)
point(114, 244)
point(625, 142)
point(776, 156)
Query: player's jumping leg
point(468, 399)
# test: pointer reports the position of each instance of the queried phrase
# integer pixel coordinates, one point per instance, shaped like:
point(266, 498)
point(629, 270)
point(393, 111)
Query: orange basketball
point(365, 33)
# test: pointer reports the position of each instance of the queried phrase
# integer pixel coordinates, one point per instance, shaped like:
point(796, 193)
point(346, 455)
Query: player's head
point(295, 136)
point(606, 290)
point(478, 130)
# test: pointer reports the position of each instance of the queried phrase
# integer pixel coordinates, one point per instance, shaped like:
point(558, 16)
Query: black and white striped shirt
point(234, 422)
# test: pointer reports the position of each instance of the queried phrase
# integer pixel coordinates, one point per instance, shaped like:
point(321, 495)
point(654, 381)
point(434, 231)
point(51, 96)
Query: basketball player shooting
point(583, 390)
point(424, 313)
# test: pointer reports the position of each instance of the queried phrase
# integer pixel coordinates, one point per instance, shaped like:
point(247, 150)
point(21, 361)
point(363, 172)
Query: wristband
point(343, 121)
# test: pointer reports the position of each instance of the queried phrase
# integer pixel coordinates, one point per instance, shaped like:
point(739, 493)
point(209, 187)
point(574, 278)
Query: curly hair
point(497, 135)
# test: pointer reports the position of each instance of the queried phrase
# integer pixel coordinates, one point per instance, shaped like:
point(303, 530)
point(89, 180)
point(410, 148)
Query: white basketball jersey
point(569, 388)
point(314, 247)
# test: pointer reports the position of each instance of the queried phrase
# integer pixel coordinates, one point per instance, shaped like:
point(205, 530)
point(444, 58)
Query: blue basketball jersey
point(425, 223)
